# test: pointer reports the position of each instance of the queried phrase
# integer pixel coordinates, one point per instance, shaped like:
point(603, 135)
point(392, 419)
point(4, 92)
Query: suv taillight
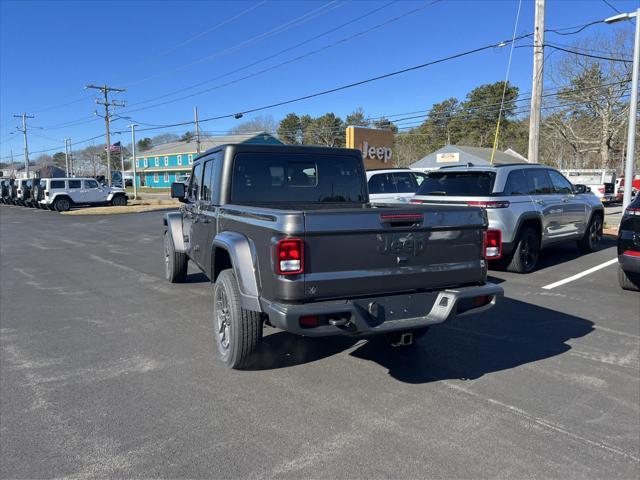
point(290, 256)
point(495, 204)
point(632, 211)
point(492, 244)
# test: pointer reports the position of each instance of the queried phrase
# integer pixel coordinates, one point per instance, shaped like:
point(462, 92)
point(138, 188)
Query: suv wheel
point(175, 263)
point(525, 255)
point(628, 280)
point(593, 236)
point(237, 331)
point(62, 204)
point(119, 201)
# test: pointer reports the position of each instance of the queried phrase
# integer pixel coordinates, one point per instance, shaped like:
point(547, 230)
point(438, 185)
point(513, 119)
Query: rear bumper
point(629, 263)
point(369, 316)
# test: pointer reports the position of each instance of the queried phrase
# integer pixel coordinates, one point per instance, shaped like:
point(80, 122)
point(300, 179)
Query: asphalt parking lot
point(108, 371)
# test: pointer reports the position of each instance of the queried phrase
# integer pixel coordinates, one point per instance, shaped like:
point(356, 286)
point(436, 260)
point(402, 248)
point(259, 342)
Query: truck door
point(204, 226)
point(191, 210)
point(75, 191)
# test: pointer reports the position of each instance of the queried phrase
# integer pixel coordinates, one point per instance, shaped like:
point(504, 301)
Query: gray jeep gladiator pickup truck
point(289, 238)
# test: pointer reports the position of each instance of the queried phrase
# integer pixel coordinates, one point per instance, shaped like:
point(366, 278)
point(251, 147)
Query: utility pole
point(66, 156)
point(536, 90)
point(195, 114)
point(133, 160)
point(24, 117)
point(107, 118)
point(71, 169)
point(124, 183)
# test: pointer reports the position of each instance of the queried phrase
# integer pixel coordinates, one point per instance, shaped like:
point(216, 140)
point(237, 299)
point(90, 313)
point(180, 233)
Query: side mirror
point(581, 189)
point(178, 191)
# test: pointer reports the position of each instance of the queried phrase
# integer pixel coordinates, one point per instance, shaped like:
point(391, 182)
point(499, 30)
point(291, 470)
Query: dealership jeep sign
point(376, 146)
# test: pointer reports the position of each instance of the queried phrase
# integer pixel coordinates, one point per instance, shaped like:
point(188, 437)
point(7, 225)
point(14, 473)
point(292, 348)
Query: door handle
point(565, 200)
point(539, 202)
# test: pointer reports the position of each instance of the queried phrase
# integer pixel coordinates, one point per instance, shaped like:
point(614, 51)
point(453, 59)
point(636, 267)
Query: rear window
point(296, 178)
point(463, 184)
point(57, 183)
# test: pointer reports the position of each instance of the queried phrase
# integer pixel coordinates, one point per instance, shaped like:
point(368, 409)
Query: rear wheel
point(628, 280)
point(526, 252)
point(238, 332)
point(593, 236)
point(62, 204)
point(175, 263)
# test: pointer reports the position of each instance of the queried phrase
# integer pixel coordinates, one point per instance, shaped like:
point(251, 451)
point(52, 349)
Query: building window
point(146, 162)
point(155, 177)
point(166, 161)
point(190, 158)
point(157, 162)
point(179, 159)
point(166, 178)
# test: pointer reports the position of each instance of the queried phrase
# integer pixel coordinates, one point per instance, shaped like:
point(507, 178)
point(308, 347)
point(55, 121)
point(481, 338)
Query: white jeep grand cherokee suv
point(61, 193)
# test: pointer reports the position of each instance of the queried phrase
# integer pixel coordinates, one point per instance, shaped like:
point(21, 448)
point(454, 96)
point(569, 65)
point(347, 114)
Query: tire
point(51, 207)
point(237, 331)
point(175, 263)
point(526, 253)
point(592, 238)
point(61, 204)
point(119, 201)
point(628, 280)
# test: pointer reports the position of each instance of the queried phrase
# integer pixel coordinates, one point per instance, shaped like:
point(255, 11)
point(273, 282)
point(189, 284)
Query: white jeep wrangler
point(61, 194)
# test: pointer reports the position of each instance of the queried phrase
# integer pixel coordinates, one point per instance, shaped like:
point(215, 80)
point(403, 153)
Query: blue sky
point(50, 50)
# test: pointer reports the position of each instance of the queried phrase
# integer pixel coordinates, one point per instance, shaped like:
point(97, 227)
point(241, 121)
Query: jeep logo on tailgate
point(401, 244)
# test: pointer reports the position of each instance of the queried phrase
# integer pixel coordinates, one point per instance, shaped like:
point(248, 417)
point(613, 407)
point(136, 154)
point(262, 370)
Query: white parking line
point(580, 275)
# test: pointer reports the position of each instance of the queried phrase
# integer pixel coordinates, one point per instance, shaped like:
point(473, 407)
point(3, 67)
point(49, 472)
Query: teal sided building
point(164, 164)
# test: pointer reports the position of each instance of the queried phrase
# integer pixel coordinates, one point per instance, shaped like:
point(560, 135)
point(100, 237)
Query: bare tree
point(590, 112)
point(261, 123)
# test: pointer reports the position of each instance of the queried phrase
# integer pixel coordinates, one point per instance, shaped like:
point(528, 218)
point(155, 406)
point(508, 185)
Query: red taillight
point(632, 253)
point(416, 200)
point(492, 244)
point(494, 204)
point(632, 211)
point(482, 301)
point(290, 252)
point(309, 321)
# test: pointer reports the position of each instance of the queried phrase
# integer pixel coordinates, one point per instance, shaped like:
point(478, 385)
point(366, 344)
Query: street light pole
point(133, 160)
point(633, 107)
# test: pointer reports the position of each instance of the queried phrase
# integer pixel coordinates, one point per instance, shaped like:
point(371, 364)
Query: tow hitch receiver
point(401, 339)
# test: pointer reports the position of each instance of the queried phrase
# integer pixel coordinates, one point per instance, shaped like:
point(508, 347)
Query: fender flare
point(526, 217)
point(173, 222)
point(58, 195)
point(242, 261)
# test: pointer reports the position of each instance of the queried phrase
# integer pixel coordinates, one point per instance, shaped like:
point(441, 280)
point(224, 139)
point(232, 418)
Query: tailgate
point(379, 251)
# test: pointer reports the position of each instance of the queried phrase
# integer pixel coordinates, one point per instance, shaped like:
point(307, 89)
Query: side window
point(146, 163)
point(206, 180)
point(57, 184)
point(73, 184)
point(179, 159)
point(90, 184)
point(381, 183)
point(156, 179)
point(419, 177)
point(166, 178)
point(166, 161)
point(190, 157)
point(539, 183)
point(157, 162)
point(194, 185)
point(517, 184)
point(404, 182)
point(560, 184)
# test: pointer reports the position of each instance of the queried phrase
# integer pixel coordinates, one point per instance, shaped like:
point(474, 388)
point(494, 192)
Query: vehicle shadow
point(197, 277)
point(514, 333)
point(559, 254)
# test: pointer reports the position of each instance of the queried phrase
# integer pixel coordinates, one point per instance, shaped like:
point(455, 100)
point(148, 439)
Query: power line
point(295, 59)
point(582, 54)
point(205, 32)
point(274, 31)
point(606, 2)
